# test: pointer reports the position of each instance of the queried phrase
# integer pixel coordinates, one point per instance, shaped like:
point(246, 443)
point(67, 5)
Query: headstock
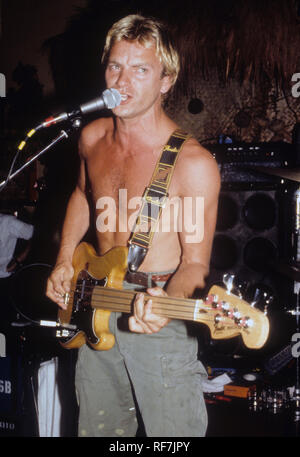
point(228, 315)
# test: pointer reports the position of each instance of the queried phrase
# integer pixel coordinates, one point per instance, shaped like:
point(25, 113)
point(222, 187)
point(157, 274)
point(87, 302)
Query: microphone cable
point(19, 149)
point(13, 303)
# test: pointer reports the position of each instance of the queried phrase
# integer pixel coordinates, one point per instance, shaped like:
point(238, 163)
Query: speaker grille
point(260, 211)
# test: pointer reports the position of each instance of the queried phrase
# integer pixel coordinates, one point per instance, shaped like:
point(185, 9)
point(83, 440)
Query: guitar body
point(90, 270)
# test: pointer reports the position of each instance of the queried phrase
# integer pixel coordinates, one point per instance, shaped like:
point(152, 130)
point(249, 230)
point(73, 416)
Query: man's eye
point(142, 70)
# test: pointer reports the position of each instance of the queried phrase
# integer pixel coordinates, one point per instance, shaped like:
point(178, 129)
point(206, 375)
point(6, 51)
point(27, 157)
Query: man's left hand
point(143, 319)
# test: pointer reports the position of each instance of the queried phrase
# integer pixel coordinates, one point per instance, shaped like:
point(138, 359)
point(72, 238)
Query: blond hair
point(146, 31)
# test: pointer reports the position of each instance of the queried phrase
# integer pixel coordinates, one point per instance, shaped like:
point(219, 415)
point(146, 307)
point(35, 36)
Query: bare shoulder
point(197, 167)
point(92, 133)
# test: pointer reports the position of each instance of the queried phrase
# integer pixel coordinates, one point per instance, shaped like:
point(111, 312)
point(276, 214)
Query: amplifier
point(279, 154)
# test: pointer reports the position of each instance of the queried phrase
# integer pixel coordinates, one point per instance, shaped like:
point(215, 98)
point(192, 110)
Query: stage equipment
point(253, 237)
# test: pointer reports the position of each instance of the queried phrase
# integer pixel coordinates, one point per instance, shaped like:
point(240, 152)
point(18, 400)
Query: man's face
point(136, 72)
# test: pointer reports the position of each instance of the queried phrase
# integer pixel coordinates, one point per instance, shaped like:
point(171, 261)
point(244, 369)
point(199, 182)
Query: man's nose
point(123, 78)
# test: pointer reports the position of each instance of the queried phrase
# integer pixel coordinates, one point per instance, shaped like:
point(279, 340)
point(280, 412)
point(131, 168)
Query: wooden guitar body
point(107, 271)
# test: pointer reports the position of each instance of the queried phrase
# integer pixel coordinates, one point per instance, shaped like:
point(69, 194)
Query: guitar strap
point(153, 200)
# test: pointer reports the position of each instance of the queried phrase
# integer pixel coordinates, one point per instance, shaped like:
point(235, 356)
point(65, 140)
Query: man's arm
point(24, 231)
point(20, 229)
point(199, 179)
point(75, 226)
point(18, 259)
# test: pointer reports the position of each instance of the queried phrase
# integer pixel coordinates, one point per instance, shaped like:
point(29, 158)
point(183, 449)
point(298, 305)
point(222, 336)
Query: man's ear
point(166, 84)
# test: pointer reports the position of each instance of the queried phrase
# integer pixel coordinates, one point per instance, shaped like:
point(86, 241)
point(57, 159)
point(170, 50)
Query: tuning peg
point(257, 297)
point(268, 299)
point(228, 281)
point(241, 288)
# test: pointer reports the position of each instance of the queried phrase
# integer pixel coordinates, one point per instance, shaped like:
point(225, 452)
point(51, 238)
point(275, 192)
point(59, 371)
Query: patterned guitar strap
point(153, 200)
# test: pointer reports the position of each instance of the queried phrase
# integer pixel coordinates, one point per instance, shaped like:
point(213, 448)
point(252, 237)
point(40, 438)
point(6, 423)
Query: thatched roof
point(245, 40)
point(248, 40)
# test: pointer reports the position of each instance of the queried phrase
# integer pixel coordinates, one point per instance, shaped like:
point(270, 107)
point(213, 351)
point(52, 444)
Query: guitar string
point(131, 293)
point(94, 288)
point(179, 303)
point(186, 314)
point(169, 305)
point(182, 315)
point(126, 301)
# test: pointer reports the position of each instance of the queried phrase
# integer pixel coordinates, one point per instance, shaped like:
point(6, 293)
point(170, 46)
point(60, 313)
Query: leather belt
point(146, 279)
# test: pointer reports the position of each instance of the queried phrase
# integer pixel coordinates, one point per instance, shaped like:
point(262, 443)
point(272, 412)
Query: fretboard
point(121, 301)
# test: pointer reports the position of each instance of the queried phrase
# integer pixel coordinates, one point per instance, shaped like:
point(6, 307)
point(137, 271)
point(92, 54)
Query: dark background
point(238, 61)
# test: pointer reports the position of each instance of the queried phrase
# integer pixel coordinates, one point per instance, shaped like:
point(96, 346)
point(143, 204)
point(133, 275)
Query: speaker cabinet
point(252, 235)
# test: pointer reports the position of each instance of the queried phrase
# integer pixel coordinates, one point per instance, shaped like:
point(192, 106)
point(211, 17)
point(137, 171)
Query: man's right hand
point(59, 283)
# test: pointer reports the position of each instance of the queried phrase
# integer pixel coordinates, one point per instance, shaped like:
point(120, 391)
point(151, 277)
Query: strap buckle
point(136, 255)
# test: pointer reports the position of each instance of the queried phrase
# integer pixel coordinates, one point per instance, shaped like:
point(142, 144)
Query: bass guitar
point(96, 291)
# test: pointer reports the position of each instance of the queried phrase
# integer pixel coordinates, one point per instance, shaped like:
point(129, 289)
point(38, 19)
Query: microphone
point(109, 99)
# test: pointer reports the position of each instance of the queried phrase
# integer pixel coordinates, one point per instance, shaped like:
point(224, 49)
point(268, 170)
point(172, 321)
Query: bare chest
point(114, 175)
point(117, 184)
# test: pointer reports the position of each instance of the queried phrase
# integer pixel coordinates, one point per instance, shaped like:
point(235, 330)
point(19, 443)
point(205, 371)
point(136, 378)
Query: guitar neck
point(121, 301)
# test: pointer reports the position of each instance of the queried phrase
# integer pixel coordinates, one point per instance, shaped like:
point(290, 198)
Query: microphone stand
point(75, 125)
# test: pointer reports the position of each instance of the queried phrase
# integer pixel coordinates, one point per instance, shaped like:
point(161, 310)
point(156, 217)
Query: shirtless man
point(153, 365)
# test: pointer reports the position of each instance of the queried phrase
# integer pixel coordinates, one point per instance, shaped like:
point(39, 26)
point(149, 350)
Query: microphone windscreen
point(112, 98)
